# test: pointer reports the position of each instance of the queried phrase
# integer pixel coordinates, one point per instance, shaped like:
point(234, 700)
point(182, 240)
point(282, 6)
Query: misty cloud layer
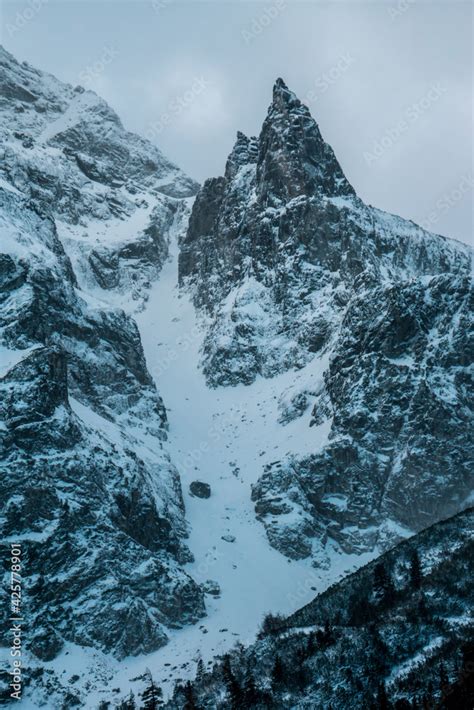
point(389, 83)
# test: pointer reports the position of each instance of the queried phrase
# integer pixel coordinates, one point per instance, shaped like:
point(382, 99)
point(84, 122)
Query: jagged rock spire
point(291, 155)
point(245, 151)
point(293, 158)
point(282, 96)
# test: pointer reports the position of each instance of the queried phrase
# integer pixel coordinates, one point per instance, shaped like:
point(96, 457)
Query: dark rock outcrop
point(200, 489)
point(211, 587)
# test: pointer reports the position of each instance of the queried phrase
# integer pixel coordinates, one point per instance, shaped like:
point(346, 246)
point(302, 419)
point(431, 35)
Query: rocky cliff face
point(294, 269)
point(397, 395)
point(86, 483)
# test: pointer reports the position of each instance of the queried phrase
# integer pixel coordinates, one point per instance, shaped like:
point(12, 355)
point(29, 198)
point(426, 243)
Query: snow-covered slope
point(86, 482)
point(53, 133)
point(112, 485)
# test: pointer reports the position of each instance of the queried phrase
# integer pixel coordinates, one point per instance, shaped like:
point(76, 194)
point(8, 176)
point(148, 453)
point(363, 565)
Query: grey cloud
point(360, 66)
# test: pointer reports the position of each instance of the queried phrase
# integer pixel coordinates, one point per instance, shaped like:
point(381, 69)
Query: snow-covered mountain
point(293, 269)
point(298, 358)
point(66, 148)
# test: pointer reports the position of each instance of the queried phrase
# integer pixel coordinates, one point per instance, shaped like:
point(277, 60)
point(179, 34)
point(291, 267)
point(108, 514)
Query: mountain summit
point(293, 157)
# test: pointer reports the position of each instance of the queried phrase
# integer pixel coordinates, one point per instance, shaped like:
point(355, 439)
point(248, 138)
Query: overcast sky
point(390, 84)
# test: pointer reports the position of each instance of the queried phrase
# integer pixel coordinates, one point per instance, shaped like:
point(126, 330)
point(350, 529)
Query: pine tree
point(311, 644)
point(325, 636)
point(328, 633)
point(382, 699)
point(299, 676)
point(443, 678)
point(152, 696)
point(361, 611)
point(460, 695)
point(422, 608)
point(250, 692)
point(233, 687)
point(199, 670)
point(189, 698)
point(378, 655)
point(128, 703)
point(403, 704)
point(271, 625)
point(278, 672)
point(415, 571)
point(383, 587)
